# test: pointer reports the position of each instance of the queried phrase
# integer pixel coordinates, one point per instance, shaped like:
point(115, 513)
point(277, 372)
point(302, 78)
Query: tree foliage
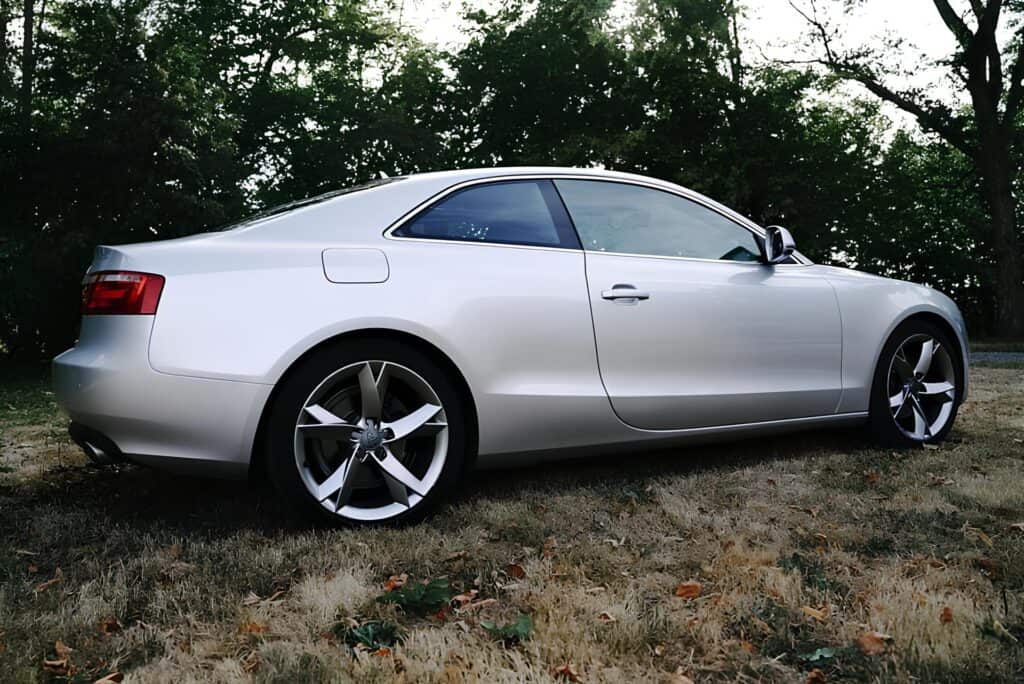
point(134, 120)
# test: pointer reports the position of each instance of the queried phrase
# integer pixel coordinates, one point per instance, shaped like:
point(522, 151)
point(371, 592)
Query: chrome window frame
point(707, 203)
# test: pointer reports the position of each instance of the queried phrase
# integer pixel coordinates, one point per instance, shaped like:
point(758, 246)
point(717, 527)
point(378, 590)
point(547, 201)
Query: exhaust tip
point(100, 450)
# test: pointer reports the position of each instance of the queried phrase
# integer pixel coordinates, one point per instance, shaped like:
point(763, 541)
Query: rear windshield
point(305, 202)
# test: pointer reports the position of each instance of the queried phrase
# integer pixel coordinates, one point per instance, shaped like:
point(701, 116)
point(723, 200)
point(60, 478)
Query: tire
point(909, 408)
point(321, 434)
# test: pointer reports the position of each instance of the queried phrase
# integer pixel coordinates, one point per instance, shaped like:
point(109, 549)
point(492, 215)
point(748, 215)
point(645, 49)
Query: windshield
point(305, 202)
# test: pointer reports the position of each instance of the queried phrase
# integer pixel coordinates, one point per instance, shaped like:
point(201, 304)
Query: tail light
point(121, 293)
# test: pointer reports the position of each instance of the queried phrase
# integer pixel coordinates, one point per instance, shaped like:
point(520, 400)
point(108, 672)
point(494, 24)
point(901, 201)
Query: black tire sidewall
point(882, 425)
point(300, 382)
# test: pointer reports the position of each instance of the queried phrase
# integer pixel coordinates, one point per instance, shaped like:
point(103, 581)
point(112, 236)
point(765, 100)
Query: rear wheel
point(917, 386)
point(366, 431)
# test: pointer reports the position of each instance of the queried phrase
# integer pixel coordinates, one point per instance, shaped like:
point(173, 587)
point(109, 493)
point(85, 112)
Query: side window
point(632, 219)
point(506, 212)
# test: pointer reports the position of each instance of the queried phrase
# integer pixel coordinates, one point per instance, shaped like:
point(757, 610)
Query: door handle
point(624, 292)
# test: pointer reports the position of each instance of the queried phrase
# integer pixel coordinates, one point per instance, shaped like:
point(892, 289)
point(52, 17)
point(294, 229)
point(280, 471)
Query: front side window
point(632, 219)
point(524, 212)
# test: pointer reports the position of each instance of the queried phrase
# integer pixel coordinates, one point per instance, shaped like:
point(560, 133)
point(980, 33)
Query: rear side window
point(524, 212)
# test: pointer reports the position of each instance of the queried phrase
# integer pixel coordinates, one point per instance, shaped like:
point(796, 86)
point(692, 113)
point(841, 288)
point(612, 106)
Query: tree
point(990, 133)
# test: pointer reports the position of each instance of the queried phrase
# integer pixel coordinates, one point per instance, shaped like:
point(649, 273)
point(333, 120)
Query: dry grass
point(800, 544)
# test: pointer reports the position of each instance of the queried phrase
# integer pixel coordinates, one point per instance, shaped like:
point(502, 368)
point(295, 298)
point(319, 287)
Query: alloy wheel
point(371, 440)
point(921, 387)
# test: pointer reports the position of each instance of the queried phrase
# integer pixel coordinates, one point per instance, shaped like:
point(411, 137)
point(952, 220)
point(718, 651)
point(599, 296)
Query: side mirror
point(778, 244)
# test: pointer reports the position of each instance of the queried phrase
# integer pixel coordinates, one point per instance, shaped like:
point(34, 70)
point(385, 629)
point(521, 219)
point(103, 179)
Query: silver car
point(363, 348)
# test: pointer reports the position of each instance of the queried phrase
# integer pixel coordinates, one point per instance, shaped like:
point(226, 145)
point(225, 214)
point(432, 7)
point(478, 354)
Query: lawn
point(805, 558)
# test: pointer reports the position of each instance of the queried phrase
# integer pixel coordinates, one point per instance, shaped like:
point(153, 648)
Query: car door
point(691, 329)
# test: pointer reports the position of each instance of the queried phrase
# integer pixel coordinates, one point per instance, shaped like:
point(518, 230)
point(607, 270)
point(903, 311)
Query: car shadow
point(142, 497)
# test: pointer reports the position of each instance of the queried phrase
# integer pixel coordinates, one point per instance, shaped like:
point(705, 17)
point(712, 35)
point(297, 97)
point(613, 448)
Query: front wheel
point(917, 386)
point(366, 431)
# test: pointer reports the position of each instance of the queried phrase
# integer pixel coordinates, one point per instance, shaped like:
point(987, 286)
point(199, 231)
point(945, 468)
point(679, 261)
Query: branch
point(954, 22)
point(940, 121)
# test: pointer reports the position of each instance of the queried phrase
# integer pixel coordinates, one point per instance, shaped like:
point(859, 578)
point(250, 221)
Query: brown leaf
point(940, 481)
point(1017, 526)
point(58, 575)
point(462, 599)
point(395, 581)
point(605, 616)
point(747, 646)
point(872, 477)
point(110, 625)
point(515, 571)
point(550, 545)
point(873, 643)
point(819, 614)
point(659, 650)
point(32, 568)
point(59, 665)
point(567, 672)
point(688, 590)
point(946, 616)
point(815, 676)
point(112, 678)
point(252, 627)
point(382, 652)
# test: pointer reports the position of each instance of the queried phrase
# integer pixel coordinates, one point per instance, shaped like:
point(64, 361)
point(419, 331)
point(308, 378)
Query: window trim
point(561, 221)
point(725, 212)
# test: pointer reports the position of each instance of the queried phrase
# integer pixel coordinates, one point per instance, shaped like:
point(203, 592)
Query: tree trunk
point(996, 171)
point(28, 64)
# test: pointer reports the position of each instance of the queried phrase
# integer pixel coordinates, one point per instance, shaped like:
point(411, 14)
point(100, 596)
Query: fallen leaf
point(465, 598)
point(110, 625)
point(819, 614)
point(946, 616)
point(515, 571)
point(395, 581)
point(815, 676)
point(873, 643)
point(58, 575)
point(747, 646)
point(987, 540)
point(872, 477)
point(252, 627)
point(940, 481)
point(659, 650)
point(115, 678)
point(1017, 526)
point(455, 556)
point(567, 672)
point(32, 568)
point(606, 617)
point(382, 652)
point(59, 665)
point(688, 590)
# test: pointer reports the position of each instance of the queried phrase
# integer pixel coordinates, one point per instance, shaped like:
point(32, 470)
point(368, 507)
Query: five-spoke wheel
point(372, 439)
point(916, 385)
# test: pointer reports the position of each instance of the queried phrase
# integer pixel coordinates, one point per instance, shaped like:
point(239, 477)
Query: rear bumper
point(185, 424)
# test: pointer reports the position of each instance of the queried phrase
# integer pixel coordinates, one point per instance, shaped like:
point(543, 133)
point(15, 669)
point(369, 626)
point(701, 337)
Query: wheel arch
point(258, 455)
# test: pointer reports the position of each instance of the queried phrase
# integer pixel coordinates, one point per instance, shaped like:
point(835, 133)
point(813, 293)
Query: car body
point(551, 359)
